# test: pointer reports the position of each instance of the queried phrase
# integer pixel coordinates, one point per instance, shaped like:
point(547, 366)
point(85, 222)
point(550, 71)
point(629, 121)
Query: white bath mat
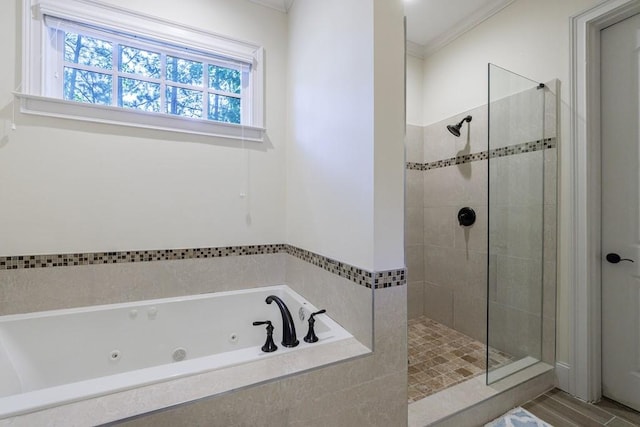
point(518, 417)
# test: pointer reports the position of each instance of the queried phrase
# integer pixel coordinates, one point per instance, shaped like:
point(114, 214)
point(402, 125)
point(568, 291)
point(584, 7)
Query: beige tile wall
point(455, 257)
point(346, 303)
point(414, 222)
point(37, 289)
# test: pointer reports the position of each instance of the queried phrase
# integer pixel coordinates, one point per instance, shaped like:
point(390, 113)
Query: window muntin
point(104, 68)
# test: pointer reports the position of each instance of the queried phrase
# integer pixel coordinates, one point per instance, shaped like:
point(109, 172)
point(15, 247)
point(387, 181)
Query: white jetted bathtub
point(52, 358)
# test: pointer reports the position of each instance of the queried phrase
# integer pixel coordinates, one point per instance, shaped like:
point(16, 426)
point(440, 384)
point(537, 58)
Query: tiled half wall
point(48, 282)
point(376, 383)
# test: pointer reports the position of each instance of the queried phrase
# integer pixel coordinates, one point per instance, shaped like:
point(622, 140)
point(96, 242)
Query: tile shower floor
point(440, 357)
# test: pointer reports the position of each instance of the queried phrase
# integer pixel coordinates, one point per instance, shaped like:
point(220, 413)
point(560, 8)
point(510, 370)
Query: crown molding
point(464, 26)
point(415, 49)
point(280, 5)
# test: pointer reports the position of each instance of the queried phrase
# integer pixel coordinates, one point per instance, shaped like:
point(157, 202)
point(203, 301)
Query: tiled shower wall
point(447, 263)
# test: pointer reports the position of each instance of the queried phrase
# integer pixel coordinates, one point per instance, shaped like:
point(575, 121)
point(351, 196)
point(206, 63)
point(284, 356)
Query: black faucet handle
point(319, 312)
point(264, 322)
point(311, 334)
point(269, 346)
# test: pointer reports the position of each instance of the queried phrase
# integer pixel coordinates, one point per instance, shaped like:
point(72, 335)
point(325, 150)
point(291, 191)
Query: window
point(105, 70)
point(107, 65)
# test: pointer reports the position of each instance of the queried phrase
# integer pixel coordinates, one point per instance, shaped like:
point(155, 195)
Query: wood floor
point(562, 410)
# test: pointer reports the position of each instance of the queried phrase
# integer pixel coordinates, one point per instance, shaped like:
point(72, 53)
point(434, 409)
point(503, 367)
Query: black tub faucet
point(311, 334)
point(268, 346)
point(289, 338)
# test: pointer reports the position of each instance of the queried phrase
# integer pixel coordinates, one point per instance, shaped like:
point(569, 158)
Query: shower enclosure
point(521, 223)
point(481, 294)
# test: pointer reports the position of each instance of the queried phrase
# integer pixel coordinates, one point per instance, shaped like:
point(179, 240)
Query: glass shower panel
point(516, 223)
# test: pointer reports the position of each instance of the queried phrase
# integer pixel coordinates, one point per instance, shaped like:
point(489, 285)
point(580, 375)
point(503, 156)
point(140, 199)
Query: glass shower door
point(516, 223)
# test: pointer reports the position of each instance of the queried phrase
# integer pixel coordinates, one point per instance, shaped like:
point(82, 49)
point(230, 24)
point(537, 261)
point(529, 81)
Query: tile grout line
point(621, 419)
point(625, 411)
point(552, 411)
point(603, 410)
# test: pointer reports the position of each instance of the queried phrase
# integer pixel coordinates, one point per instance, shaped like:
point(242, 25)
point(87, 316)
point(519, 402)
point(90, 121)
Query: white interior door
point(620, 70)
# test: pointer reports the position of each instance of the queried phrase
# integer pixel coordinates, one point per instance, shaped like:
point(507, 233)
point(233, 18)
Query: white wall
point(76, 187)
point(330, 155)
point(389, 128)
point(530, 37)
point(69, 186)
point(415, 79)
point(345, 159)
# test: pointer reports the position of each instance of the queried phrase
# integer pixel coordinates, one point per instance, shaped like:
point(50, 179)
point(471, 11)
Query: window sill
point(53, 107)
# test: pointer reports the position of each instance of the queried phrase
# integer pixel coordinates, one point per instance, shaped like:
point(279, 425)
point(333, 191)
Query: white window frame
point(34, 98)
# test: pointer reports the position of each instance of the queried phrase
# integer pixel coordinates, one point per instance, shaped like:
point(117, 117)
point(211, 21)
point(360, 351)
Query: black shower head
point(455, 129)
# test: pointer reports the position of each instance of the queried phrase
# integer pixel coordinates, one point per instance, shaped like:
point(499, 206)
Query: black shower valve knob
point(466, 216)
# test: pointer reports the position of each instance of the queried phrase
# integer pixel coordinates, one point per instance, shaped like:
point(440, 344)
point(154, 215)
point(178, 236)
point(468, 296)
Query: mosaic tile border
point(377, 280)
point(357, 275)
point(526, 147)
point(390, 278)
point(349, 272)
point(92, 258)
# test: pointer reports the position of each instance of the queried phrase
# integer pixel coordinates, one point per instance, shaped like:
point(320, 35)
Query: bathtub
point(53, 358)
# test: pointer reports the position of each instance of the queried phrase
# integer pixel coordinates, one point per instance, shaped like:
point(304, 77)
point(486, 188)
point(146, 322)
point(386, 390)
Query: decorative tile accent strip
point(354, 274)
point(63, 260)
point(387, 279)
point(526, 147)
point(459, 160)
point(382, 279)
